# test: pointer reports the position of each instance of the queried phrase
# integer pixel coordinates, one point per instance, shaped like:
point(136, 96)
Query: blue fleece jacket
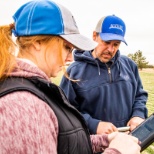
point(107, 92)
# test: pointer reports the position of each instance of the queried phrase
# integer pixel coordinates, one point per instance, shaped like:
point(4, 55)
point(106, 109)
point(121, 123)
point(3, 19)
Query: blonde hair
point(7, 51)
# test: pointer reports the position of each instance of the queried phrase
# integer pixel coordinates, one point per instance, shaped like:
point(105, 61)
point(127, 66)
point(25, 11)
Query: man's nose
point(111, 48)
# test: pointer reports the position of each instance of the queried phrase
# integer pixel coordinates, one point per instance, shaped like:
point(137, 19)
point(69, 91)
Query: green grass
point(148, 84)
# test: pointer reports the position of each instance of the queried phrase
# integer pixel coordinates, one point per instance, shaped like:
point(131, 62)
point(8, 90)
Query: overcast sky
point(138, 16)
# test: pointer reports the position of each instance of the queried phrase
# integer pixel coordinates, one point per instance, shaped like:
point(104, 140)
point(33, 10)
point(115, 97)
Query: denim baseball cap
point(45, 17)
point(111, 28)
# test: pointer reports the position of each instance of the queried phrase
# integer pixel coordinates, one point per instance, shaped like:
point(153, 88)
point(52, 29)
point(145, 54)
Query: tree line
point(140, 60)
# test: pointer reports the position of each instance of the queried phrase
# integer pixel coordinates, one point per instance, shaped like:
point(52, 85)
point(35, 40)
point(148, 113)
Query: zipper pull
point(109, 70)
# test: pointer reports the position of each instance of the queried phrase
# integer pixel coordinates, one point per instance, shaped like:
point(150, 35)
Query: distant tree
point(150, 66)
point(139, 59)
point(132, 56)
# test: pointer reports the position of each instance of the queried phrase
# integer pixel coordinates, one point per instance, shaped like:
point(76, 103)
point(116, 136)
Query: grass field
point(147, 77)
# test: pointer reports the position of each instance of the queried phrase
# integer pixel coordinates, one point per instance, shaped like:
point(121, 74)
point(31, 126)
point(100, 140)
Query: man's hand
point(134, 122)
point(106, 128)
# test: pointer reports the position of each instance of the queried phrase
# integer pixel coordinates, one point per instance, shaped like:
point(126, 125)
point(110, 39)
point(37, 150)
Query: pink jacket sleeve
point(100, 144)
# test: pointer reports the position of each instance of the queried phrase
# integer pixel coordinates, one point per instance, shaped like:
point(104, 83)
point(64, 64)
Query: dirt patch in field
point(151, 70)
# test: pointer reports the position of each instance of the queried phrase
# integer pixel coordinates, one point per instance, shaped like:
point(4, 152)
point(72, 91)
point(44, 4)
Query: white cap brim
point(80, 41)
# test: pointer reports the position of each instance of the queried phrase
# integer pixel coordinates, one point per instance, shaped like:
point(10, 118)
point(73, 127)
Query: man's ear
point(94, 35)
point(37, 46)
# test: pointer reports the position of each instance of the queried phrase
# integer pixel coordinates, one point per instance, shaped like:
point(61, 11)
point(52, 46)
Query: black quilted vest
point(73, 137)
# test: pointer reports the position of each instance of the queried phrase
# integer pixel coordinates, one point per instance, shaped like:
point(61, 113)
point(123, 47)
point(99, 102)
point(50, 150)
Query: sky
point(138, 16)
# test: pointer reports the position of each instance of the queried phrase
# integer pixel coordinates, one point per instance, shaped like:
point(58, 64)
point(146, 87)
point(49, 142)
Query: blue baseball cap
point(111, 28)
point(45, 17)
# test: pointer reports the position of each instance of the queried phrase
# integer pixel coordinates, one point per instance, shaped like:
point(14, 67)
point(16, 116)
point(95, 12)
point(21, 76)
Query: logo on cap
point(116, 26)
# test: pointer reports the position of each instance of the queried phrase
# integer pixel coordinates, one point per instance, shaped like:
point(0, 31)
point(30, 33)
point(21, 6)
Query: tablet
point(145, 132)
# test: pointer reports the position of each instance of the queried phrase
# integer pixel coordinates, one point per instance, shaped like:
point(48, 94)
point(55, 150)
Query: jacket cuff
point(141, 114)
point(92, 125)
point(99, 142)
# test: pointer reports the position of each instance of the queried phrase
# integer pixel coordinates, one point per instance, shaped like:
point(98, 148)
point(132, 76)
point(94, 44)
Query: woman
point(46, 35)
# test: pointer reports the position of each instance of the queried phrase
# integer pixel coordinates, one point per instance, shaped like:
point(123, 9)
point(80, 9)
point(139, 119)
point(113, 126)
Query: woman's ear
point(37, 45)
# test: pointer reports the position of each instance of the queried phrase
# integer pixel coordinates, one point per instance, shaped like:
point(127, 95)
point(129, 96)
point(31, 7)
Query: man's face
point(105, 50)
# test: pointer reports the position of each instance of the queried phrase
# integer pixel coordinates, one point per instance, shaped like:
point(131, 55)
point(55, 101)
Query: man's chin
point(105, 60)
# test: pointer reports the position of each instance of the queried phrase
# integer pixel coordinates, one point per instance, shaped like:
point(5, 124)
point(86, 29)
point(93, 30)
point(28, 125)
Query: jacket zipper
point(109, 73)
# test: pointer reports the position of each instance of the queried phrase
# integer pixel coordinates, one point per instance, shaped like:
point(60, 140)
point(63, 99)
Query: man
point(108, 90)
